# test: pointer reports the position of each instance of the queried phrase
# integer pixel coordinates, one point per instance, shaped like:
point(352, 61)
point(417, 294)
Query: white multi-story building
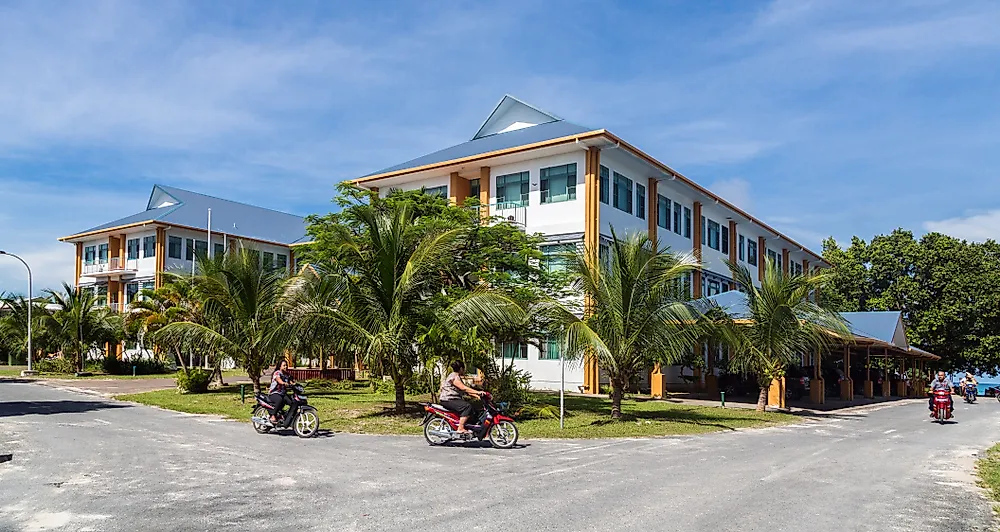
point(119, 259)
point(574, 184)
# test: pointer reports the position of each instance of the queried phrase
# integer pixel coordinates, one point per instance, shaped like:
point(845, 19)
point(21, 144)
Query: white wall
point(545, 374)
point(551, 218)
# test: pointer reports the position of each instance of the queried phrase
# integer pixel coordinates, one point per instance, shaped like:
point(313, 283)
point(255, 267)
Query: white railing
point(514, 212)
point(113, 265)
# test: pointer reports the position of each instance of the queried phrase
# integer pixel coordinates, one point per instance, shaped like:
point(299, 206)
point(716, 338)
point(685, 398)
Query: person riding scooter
point(276, 392)
point(940, 384)
point(968, 380)
point(451, 397)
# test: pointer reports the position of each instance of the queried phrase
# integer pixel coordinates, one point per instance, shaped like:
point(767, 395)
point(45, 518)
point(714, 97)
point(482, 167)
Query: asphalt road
point(84, 463)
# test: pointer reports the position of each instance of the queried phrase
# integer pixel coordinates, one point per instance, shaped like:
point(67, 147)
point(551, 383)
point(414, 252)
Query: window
point(677, 218)
point(220, 250)
point(148, 285)
point(268, 260)
point(640, 201)
point(189, 249)
point(255, 255)
point(725, 240)
point(556, 257)
point(201, 248)
point(149, 246)
point(281, 261)
point(713, 235)
point(623, 193)
point(474, 188)
point(558, 183)
point(605, 184)
point(513, 189)
point(772, 255)
point(663, 212)
point(740, 251)
point(514, 350)
point(796, 268)
point(102, 254)
point(752, 252)
point(131, 290)
point(704, 231)
point(132, 247)
point(441, 191)
point(714, 287)
point(174, 245)
point(604, 253)
point(101, 291)
point(551, 348)
point(90, 255)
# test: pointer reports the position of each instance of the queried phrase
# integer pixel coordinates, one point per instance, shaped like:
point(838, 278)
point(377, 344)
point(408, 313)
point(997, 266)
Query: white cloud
point(975, 227)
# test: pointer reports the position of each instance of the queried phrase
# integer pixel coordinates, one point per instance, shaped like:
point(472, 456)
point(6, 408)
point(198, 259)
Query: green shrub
point(55, 365)
point(326, 385)
point(196, 381)
point(382, 387)
point(143, 366)
point(511, 386)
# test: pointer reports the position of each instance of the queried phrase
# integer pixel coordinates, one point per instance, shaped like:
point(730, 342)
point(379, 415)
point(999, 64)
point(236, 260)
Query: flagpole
point(209, 232)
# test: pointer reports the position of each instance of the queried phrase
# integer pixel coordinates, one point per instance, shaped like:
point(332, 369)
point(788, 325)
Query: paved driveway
point(84, 463)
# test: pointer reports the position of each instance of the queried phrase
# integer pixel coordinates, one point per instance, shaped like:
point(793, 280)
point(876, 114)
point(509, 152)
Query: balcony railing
point(115, 265)
point(515, 212)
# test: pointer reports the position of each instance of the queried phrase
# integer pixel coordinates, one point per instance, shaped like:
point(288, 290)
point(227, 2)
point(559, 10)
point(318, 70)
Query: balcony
point(113, 269)
point(515, 212)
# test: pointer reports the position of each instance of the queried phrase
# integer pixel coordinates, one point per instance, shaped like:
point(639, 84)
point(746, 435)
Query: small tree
point(638, 314)
point(781, 323)
point(81, 323)
point(241, 311)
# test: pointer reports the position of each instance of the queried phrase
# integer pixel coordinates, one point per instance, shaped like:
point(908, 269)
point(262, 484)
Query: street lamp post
point(29, 371)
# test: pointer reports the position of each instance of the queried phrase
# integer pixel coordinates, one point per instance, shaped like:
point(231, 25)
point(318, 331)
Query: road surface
point(81, 462)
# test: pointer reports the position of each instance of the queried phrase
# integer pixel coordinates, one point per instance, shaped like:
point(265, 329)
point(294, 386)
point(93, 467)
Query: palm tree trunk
point(180, 358)
point(617, 390)
point(400, 397)
point(762, 398)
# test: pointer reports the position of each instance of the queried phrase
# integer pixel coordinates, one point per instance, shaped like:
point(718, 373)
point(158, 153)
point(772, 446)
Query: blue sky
point(821, 117)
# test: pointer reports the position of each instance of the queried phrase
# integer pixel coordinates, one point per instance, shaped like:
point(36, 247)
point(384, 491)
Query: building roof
point(490, 143)
point(179, 207)
point(886, 327)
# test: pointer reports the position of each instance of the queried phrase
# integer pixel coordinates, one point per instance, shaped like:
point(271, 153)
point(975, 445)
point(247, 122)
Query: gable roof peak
point(512, 113)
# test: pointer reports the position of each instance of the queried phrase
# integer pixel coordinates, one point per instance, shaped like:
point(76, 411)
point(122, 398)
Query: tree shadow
point(44, 408)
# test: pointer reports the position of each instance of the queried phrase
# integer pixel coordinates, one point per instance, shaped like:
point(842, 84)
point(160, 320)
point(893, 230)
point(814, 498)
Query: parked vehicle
point(970, 394)
point(796, 384)
point(300, 417)
point(441, 425)
point(941, 401)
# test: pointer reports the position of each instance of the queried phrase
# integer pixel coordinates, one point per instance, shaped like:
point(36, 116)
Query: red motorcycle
point(441, 425)
point(942, 399)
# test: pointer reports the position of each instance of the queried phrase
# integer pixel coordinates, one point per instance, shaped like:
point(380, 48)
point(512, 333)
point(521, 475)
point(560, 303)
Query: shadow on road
point(44, 408)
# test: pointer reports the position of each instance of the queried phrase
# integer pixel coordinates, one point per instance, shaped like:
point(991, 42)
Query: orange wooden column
point(161, 256)
point(79, 263)
point(696, 247)
point(761, 257)
point(733, 248)
point(847, 385)
point(458, 189)
point(484, 191)
point(591, 243)
point(785, 264)
point(652, 211)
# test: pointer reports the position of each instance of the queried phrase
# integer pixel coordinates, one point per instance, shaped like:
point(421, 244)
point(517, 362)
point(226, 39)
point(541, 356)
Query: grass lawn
point(360, 411)
point(988, 469)
point(16, 372)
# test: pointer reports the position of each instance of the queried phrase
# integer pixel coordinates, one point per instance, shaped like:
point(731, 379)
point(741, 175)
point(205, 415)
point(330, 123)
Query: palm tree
point(781, 322)
point(14, 325)
point(155, 309)
point(240, 311)
point(638, 312)
point(385, 291)
point(81, 323)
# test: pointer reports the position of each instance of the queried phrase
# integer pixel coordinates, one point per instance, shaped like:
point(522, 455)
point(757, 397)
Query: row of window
point(189, 248)
point(551, 349)
point(177, 248)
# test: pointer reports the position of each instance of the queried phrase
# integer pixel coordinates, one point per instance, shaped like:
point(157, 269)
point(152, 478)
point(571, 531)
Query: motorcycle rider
point(968, 380)
point(941, 383)
point(276, 392)
point(451, 397)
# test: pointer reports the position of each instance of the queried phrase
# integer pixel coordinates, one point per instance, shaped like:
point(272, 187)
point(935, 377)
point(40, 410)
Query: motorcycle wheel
point(436, 425)
point(306, 423)
point(261, 428)
point(503, 435)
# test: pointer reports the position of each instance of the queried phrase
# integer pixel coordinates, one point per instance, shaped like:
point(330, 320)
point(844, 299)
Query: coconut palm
point(155, 309)
point(240, 314)
point(638, 314)
point(385, 290)
point(781, 322)
point(14, 325)
point(81, 323)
